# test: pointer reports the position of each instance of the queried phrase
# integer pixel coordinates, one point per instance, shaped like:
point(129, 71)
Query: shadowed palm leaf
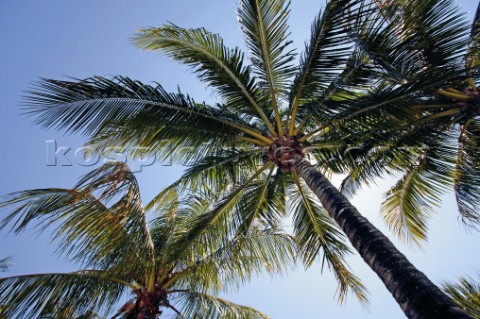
point(466, 293)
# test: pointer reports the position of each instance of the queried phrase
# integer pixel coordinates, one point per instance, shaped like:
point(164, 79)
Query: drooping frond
point(221, 212)
point(238, 259)
point(264, 24)
point(114, 179)
point(467, 174)
point(109, 109)
point(409, 204)
point(31, 296)
point(317, 235)
point(466, 294)
point(196, 305)
point(105, 237)
point(263, 203)
point(215, 64)
point(473, 55)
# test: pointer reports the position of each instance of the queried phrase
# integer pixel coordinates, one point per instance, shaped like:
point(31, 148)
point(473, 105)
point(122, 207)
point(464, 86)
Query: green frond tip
point(466, 293)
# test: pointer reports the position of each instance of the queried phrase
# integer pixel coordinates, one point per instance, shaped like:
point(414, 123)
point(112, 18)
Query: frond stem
point(252, 140)
point(472, 84)
point(453, 95)
point(268, 66)
point(301, 125)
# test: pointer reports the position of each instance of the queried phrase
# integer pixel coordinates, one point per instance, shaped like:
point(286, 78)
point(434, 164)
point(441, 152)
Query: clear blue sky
point(82, 38)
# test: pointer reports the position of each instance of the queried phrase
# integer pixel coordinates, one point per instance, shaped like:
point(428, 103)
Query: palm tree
point(102, 225)
point(466, 293)
point(269, 138)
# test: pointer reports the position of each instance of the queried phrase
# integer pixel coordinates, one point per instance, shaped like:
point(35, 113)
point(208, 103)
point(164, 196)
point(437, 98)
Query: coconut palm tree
point(102, 225)
point(269, 137)
point(466, 293)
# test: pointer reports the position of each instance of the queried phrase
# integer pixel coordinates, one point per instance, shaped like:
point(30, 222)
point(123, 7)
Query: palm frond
point(423, 37)
point(108, 109)
point(219, 169)
point(466, 294)
point(467, 174)
point(394, 104)
point(263, 203)
point(473, 55)
point(82, 218)
point(239, 258)
point(196, 305)
point(31, 296)
point(61, 310)
point(215, 64)
point(264, 24)
point(220, 212)
point(317, 235)
point(409, 204)
point(325, 55)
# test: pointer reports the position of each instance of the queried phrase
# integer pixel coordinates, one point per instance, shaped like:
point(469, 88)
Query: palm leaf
point(264, 24)
point(220, 67)
point(204, 306)
point(238, 258)
point(427, 36)
point(317, 234)
point(107, 109)
point(325, 55)
point(466, 293)
point(82, 218)
point(31, 296)
point(409, 204)
point(221, 211)
point(467, 172)
point(263, 203)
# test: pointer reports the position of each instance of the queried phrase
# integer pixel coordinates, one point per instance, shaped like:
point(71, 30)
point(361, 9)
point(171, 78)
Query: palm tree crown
point(103, 226)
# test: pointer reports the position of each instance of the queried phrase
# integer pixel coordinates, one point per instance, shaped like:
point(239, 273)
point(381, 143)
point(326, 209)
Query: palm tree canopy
point(101, 225)
point(363, 71)
point(235, 147)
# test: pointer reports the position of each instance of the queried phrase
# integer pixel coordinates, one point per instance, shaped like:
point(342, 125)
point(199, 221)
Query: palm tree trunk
point(418, 297)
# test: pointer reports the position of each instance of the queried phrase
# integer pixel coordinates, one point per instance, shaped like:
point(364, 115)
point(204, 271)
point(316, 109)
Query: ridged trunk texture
point(418, 297)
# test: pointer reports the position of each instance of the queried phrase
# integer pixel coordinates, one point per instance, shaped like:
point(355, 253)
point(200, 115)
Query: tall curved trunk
point(418, 297)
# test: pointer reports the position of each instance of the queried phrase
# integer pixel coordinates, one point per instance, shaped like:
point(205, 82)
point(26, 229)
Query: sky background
point(55, 39)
